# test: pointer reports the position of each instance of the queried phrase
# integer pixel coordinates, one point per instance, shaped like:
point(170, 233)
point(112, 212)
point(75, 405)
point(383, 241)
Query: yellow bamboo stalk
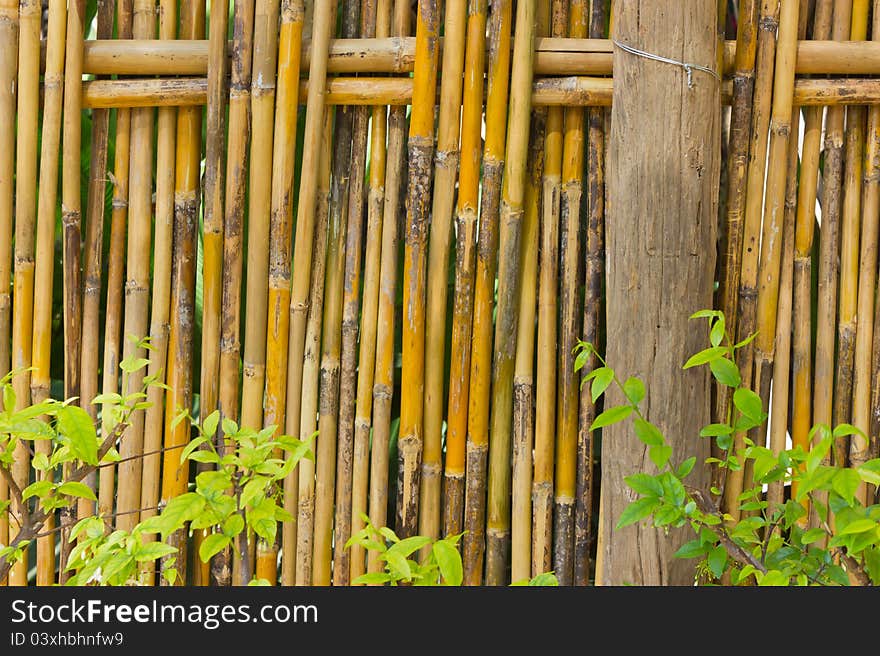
point(137, 284)
point(545, 395)
point(378, 23)
point(115, 269)
point(45, 247)
point(861, 404)
point(283, 156)
point(154, 418)
point(484, 293)
point(465, 255)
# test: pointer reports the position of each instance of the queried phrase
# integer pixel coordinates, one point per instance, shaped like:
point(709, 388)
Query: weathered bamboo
point(300, 286)
point(465, 256)
point(484, 293)
point(154, 418)
point(311, 366)
point(175, 474)
point(545, 399)
point(383, 387)
point(523, 379)
point(745, 320)
point(594, 273)
point(568, 383)
point(351, 283)
point(802, 349)
point(369, 315)
point(115, 270)
point(860, 447)
point(137, 284)
point(447, 158)
point(92, 254)
point(849, 253)
point(280, 221)
point(45, 250)
point(9, 22)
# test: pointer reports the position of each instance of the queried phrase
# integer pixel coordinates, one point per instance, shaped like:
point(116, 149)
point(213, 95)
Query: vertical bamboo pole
point(154, 418)
point(267, 563)
point(53, 82)
point(115, 268)
point(465, 256)
point(866, 328)
point(802, 340)
point(545, 395)
point(523, 380)
point(9, 21)
point(369, 315)
point(93, 253)
point(849, 252)
point(594, 273)
point(484, 292)
point(751, 228)
point(351, 283)
point(569, 285)
point(438, 266)
point(284, 160)
point(384, 371)
point(137, 284)
point(312, 363)
point(175, 474)
point(304, 245)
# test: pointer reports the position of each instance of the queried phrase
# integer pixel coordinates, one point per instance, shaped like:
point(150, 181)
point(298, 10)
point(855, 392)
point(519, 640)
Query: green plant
point(774, 544)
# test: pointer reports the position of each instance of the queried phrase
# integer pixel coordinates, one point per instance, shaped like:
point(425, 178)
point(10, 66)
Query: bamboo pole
point(849, 253)
point(383, 387)
point(465, 255)
point(45, 253)
point(137, 290)
point(366, 365)
point(311, 367)
point(568, 395)
point(484, 292)
point(115, 270)
point(154, 418)
point(284, 160)
point(92, 254)
point(594, 273)
point(860, 447)
point(267, 563)
point(9, 24)
point(175, 474)
point(437, 281)
point(802, 340)
point(545, 399)
point(351, 283)
point(304, 243)
point(523, 381)
point(746, 319)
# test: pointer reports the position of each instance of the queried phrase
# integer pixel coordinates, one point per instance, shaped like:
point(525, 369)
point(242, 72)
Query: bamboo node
point(689, 67)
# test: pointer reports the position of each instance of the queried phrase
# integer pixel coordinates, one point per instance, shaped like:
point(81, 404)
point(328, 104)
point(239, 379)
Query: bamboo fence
point(391, 232)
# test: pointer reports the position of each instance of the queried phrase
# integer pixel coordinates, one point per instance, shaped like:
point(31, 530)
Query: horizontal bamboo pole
point(553, 56)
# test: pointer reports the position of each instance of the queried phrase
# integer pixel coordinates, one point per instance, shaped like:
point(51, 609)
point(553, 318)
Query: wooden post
point(664, 158)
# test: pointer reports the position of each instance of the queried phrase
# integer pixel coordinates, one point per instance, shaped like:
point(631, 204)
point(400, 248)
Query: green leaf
point(544, 579)
point(716, 335)
point(612, 416)
point(213, 544)
point(773, 578)
point(603, 376)
point(77, 489)
point(194, 444)
point(203, 455)
point(153, 550)
point(259, 583)
point(717, 560)
point(388, 534)
point(112, 398)
point(9, 395)
point(858, 526)
point(40, 462)
point(660, 455)
point(229, 426)
point(714, 430)
point(747, 340)
point(704, 356)
point(846, 482)
point(233, 525)
point(179, 511)
point(725, 372)
point(131, 364)
point(399, 565)
point(637, 510)
point(645, 484)
point(38, 489)
point(449, 562)
point(749, 404)
point(581, 359)
point(373, 578)
point(209, 425)
point(870, 472)
point(813, 535)
point(692, 549)
point(408, 545)
point(76, 425)
point(648, 433)
point(634, 389)
point(686, 467)
point(253, 489)
point(842, 430)
point(706, 314)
